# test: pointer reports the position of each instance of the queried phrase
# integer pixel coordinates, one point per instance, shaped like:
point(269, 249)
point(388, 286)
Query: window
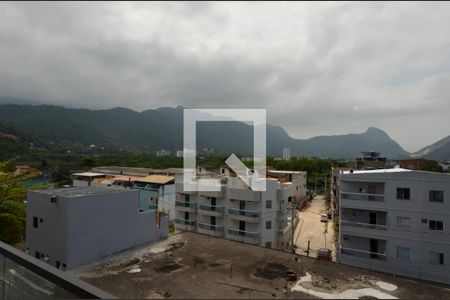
point(268, 203)
point(436, 196)
point(404, 222)
point(35, 222)
point(424, 221)
point(436, 225)
point(402, 193)
point(403, 253)
point(268, 244)
point(436, 258)
point(268, 224)
point(186, 198)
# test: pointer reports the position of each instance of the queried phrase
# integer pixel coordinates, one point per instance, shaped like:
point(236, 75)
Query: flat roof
point(285, 171)
point(81, 191)
point(158, 179)
point(392, 170)
point(191, 265)
point(88, 174)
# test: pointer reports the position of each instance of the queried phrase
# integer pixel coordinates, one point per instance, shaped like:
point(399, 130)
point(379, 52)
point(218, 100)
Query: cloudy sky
point(319, 69)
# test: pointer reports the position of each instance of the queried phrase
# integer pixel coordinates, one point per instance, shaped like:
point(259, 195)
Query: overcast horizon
point(318, 68)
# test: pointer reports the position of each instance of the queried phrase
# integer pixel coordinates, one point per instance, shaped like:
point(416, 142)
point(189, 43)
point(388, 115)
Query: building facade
point(238, 213)
point(70, 227)
point(396, 221)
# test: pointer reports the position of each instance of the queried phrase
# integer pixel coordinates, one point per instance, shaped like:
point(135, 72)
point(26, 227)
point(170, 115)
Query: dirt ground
point(191, 265)
point(310, 228)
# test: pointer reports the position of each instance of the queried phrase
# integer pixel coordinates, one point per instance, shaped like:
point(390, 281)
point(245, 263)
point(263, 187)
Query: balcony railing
point(363, 253)
point(362, 196)
point(364, 225)
point(152, 206)
point(244, 233)
point(211, 207)
point(218, 228)
point(185, 222)
point(24, 277)
point(185, 204)
point(244, 212)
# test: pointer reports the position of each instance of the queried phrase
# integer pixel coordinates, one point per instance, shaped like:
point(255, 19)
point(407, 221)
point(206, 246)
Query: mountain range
point(162, 128)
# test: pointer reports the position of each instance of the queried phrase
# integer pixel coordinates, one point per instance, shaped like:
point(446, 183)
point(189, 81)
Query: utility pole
point(292, 227)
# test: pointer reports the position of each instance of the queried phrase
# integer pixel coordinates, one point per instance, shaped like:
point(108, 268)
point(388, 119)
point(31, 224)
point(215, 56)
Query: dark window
point(436, 225)
point(35, 222)
point(403, 193)
point(40, 220)
point(425, 221)
point(186, 198)
point(37, 255)
point(268, 224)
point(268, 244)
point(58, 264)
point(223, 171)
point(436, 196)
point(289, 199)
point(436, 258)
point(268, 203)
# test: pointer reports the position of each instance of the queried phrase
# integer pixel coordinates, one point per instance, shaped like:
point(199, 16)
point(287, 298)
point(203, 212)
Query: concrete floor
point(311, 229)
point(193, 266)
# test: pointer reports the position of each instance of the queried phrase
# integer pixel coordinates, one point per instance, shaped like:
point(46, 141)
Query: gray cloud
point(324, 68)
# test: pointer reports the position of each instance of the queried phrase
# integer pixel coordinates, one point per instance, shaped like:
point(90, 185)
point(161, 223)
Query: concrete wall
point(81, 230)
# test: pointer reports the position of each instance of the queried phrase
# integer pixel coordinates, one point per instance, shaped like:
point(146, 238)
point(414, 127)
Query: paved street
point(311, 229)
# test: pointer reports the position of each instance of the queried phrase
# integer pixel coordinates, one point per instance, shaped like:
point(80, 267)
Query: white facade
point(286, 153)
point(396, 221)
point(238, 213)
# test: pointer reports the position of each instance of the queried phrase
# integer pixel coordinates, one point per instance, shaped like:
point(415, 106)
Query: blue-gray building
point(70, 227)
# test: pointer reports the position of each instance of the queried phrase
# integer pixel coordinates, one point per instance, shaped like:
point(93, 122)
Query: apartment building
point(238, 213)
point(69, 227)
point(396, 221)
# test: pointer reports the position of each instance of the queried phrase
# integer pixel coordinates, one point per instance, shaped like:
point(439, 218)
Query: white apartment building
point(286, 153)
point(238, 213)
point(396, 221)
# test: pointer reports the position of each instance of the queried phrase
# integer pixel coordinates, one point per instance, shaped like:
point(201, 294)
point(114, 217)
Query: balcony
point(216, 229)
point(363, 254)
point(185, 222)
point(211, 210)
point(152, 206)
point(244, 195)
point(243, 235)
point(24, 277)
point(364, 225)
point(245, 215)
point(362, 196)
point(216, 194)
point(186, 206)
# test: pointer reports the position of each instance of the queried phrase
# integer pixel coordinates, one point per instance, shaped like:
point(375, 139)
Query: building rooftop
point(393, 170)
point(88, 174)
point(157, 179)
point(82, 191)
point(191, 265)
